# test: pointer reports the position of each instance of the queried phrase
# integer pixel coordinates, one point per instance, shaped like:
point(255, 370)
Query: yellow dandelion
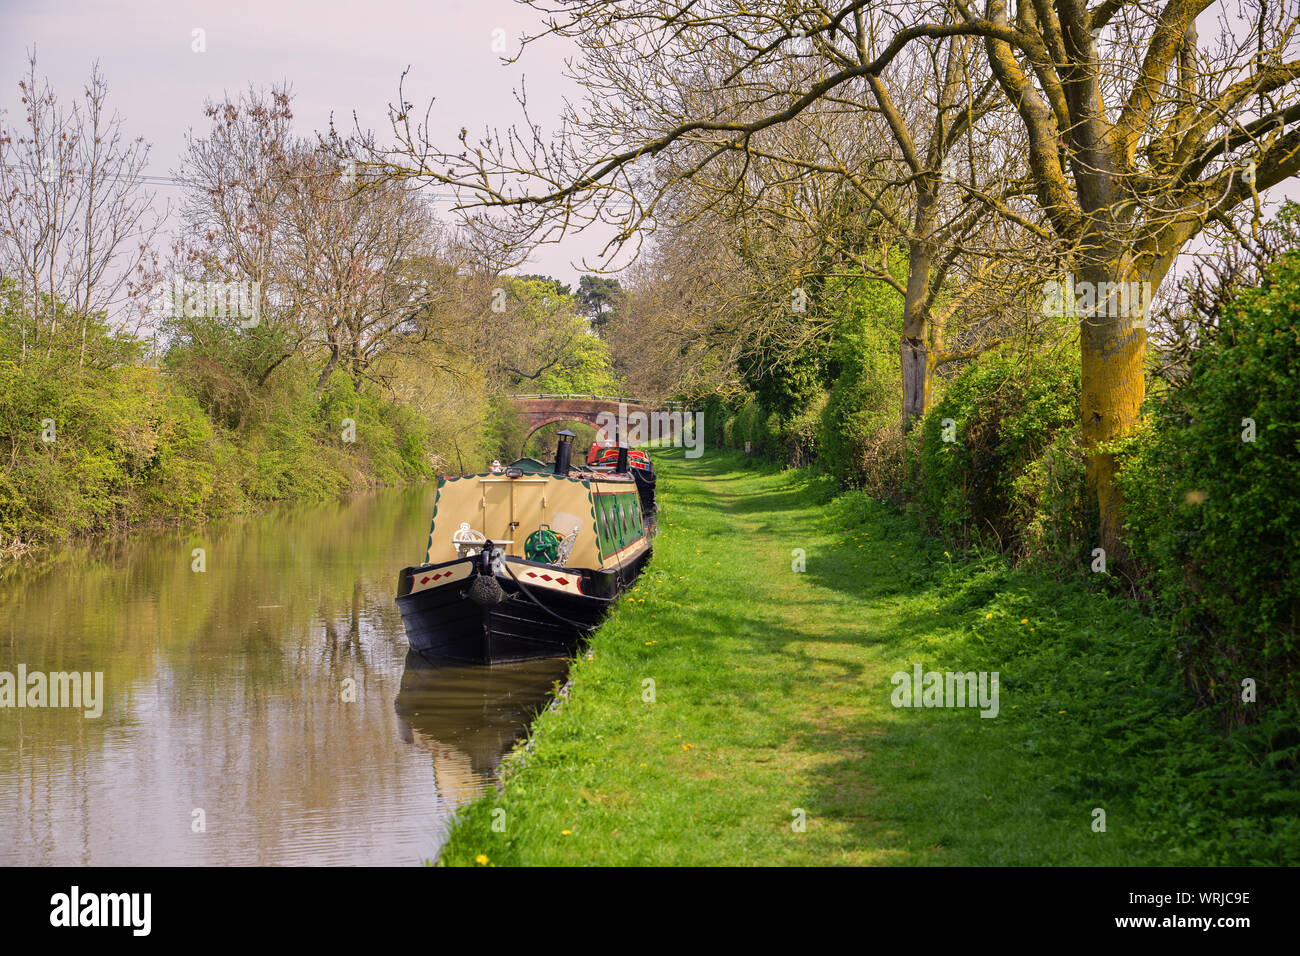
point(987, 616)
point(481, 859)
point(1024, 620)
point(1060, 711)
point(566, 833)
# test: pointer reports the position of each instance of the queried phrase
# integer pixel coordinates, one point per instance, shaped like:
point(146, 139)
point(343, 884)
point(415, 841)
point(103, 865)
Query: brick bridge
point(540, 410)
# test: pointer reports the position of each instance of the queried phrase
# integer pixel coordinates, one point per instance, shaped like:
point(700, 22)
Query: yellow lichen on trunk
point(1112, 352)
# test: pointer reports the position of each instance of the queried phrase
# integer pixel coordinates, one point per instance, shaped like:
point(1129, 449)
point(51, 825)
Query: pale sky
point(339, 55)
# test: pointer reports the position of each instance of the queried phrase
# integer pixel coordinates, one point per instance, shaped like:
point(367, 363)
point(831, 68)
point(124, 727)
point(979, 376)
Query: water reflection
point(468, 717)
point(260, 692)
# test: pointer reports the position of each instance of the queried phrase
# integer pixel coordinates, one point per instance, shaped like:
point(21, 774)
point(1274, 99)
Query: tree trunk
point(328, 369)
point(357, 366)
point(917, 359)
point(262, 379)
point(918, 363)
point(1112, 350)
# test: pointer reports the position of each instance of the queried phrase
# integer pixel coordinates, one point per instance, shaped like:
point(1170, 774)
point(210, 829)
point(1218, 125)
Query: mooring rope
point(586, 628)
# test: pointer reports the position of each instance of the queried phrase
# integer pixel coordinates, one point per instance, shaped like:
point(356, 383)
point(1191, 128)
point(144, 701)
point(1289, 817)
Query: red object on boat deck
point(606, 454)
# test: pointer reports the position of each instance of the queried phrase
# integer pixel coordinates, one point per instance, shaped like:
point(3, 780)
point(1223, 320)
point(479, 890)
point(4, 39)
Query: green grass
point(772, 694)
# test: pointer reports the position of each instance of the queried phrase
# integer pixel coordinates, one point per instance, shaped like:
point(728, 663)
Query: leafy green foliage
point(553, 351)
point(599, 298)
point(1002, 413)
point(588, 370)
point(830, 400)
point(1054, 516)
point(864, 398)
point(1213, 519)
point(504, 433)
point(60, 339)
point(548, 284)
point(787, 383)
point(92, 449)
point(198, 437)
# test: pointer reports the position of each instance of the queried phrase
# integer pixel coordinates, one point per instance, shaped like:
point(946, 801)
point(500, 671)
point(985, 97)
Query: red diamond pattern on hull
point(547, 577)
point(424, 580)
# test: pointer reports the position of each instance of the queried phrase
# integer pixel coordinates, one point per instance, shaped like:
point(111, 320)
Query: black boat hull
point(528, 622)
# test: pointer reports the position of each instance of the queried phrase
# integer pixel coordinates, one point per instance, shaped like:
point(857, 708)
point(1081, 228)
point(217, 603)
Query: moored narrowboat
point(523, 564)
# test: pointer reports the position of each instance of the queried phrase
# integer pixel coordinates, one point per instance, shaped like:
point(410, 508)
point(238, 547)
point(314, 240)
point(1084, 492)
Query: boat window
point(611, 528)
point(603, 511)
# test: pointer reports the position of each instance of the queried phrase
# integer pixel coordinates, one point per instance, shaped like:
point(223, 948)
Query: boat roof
point(584, 475)
point(531, 465)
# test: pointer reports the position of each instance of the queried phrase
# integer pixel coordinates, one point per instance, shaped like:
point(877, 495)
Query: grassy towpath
point(768, 735)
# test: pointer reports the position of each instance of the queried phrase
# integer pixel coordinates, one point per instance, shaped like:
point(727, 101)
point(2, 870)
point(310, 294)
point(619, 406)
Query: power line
point(154, 179)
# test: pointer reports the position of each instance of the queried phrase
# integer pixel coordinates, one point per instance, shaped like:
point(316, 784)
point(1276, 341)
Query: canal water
point(261, 711)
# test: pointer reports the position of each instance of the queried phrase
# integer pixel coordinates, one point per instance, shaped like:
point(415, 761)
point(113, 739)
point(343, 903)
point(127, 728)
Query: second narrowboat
point(605, 456)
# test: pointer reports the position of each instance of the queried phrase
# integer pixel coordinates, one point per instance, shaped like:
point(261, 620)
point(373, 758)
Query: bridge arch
point(539, 411)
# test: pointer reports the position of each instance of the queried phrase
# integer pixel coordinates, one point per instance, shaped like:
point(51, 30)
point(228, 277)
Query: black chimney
point(622, 467)
point(564, 452)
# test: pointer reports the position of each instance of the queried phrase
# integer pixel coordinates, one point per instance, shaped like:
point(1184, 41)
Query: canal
point(261, 710)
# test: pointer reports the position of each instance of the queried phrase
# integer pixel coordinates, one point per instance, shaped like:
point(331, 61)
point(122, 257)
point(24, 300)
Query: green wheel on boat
point(542, 545)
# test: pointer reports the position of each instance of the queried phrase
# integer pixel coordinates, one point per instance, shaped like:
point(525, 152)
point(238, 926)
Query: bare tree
point(236, 197)
point(1137, 133)
point(76, 226)
point(1140, 133)
point(359, 266)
